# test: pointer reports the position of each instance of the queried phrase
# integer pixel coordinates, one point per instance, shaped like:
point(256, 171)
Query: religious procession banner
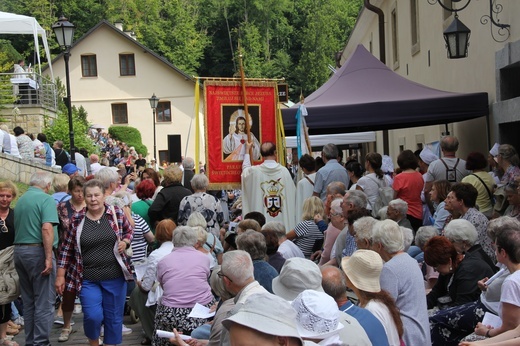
point(226, 124)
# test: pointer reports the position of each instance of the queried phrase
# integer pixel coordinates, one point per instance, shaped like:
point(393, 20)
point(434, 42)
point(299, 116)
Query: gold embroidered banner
point(225, 127)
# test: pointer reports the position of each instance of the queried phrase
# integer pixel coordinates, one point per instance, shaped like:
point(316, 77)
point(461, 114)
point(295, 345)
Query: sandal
point(5, 342)
point(65, 334)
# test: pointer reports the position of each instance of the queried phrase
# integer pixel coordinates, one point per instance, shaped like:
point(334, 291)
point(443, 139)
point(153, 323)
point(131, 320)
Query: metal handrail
point(29, 89)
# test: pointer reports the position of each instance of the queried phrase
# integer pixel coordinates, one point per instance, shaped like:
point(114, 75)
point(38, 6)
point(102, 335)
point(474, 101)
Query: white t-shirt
point(288, 250)
point(510, 291)
point(381, 312)
point(370, 184)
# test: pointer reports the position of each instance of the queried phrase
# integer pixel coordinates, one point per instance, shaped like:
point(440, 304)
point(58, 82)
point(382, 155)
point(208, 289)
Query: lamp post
point(64, 31)
point(154, 101)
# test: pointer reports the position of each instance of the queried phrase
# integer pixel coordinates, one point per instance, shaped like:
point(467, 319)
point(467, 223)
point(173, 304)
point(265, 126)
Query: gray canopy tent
point(365, 95)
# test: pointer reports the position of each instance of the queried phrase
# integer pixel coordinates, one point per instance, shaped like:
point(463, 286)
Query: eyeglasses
point(222, 275)
point(3, 227)
point(336, 214)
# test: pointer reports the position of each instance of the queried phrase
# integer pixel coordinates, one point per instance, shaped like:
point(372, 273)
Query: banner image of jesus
point(233, 144)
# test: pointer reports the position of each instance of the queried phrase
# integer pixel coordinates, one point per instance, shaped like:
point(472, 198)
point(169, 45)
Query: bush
point(130, 135)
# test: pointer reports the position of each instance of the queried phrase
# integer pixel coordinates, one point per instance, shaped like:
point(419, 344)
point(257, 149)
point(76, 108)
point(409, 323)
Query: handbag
point(9, 281)
point(154, 295)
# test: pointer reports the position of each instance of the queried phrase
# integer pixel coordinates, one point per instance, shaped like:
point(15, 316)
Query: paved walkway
point(78, 338)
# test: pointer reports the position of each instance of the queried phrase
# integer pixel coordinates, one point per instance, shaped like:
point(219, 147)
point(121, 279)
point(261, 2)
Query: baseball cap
point(69, 169)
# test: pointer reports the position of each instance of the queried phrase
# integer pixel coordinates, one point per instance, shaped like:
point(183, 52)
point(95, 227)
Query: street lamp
point(64, 32)
point(457, 39)
point(154, 102)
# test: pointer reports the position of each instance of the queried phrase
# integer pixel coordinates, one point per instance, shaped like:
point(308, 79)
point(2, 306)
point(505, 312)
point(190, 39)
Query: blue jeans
point(103, 302)
point(38, 293)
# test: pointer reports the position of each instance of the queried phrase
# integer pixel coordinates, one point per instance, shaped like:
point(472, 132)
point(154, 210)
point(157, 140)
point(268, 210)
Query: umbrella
point(97, 126)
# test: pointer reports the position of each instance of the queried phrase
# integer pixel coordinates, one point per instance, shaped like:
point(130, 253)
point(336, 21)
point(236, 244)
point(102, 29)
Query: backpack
point(385, 195)
point(9, 282)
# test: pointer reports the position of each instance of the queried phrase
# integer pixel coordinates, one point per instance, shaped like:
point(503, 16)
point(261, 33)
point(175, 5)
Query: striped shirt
point(307, 233)
point(139, 243)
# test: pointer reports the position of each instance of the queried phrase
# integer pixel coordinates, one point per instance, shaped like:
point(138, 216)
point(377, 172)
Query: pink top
point(409, 187)
point(331, 233)
point(183, 275)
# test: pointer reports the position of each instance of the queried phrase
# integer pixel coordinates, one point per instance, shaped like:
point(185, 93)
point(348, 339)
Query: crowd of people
point(342, 254)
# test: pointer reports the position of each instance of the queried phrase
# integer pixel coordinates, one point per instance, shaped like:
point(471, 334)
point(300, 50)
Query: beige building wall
point(97, 94)
point(427, 62)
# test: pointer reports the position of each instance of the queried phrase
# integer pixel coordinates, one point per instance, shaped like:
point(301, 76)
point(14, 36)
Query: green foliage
point(130, 135)
point(58, 129)
point(296, 40)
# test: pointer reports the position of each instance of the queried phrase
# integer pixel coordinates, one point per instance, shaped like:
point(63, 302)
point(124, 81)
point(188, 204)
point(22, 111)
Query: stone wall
point(20, 170)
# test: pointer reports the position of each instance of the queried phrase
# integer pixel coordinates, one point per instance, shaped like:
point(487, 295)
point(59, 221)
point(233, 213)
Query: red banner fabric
point(225, 127)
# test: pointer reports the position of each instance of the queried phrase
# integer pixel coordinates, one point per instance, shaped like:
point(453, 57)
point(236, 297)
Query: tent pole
point(382, 57)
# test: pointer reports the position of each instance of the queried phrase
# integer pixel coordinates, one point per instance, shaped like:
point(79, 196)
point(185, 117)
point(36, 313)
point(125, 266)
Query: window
point(119, 113)
point(414, 16)
point(126, 64)
point(163, 157)
point(164, 112)
point(395, 43)
point(88, 65)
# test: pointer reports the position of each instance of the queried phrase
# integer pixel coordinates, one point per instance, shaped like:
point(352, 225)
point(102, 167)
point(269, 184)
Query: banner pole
point(197, 127)
point(248, 125)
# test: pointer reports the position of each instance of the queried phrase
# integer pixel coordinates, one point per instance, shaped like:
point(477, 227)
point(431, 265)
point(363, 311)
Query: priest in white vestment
point(268, 188)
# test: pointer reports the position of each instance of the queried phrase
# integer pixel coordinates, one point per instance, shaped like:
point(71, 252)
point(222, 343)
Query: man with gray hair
point(285, 247)
point(402, 278)
point(189, 165)
point(237, 273)
point(332, 171)
point(396, 211)
point(35, 221)
point(449, 167)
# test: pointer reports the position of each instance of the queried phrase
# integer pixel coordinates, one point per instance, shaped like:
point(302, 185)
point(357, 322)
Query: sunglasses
point(3, 227)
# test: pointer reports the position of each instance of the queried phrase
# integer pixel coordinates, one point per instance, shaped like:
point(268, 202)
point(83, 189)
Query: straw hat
point(363, 269)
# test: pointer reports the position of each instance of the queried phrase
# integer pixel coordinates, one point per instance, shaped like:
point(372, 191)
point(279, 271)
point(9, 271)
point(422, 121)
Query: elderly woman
point(93, 258)
point(408, 186)
point(183, 275)
point(110, 180)
point(513, 199)
point(482, 181)
point(363, 269)
point(144, 191)
point(422, 236)
point(508, 160)
point(438, 194)
point(211, 244)
point(166, 204)
point(144, 297)
point(402, 279)
point(461, 201)
point(202, 202)
point(306, 235)
point(59, 185)
point(464, 236)
point(25, 145)
point(459, 274)
point(449, 326)
point(8, 192)
point(254, 244)
point(362, 231)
